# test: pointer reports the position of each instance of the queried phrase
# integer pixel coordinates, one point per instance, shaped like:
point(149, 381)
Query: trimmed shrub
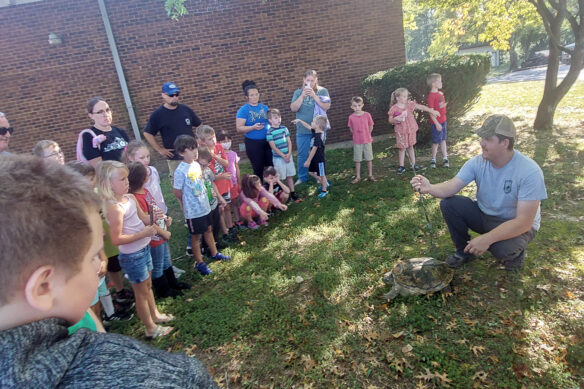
point(462, 79)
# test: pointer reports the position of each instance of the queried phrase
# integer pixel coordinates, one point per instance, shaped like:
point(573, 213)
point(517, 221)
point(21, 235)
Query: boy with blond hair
point(49, 279)
point(438, 123)
point(316, 161)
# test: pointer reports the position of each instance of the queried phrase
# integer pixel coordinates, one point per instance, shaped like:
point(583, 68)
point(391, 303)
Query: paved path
point(532, 74)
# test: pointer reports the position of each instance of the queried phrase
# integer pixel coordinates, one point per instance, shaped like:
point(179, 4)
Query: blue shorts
point(438, 136)
point(136, 265)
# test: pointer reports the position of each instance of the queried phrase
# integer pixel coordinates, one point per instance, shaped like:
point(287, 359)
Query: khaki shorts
point(362, 152)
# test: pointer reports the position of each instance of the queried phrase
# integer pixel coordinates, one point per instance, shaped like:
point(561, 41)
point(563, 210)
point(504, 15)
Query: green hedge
point(462, 79)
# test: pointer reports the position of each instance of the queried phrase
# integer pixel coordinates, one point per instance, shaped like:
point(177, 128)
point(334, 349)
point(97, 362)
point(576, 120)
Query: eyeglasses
point(57, 154)
point(176, 94)
point(101, 111)
point(4, 130)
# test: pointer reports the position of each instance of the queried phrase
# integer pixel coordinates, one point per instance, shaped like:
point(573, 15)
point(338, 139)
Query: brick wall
point(208, 53)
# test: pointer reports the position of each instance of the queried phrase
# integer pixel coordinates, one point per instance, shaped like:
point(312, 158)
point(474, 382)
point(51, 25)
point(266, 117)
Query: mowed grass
point(300, 304)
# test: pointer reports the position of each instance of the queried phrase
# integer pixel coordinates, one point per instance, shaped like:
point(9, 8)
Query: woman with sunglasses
point(109, 142)
point(5, 133)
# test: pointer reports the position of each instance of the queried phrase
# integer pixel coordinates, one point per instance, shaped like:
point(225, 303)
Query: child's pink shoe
point(264, 222)
point(253, 225)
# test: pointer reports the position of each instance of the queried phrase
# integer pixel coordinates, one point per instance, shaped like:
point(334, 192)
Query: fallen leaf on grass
point(398, 335)
point(432, 318)
point(480, 375)
point(420, 385)
point(308, 362)
point(569, 295)
point(461, 341)
point(435, 364)
point(476, 350)
point(452, 325)
point(425, 377)
point(444, 381)
point(407, 348)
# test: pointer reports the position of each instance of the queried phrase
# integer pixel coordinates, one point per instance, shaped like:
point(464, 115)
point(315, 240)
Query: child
point(112, 312)
point(361, 126)
point(255, 201)
point(137, 151)
point(206, 137)
point(204, 159)
point(49, 150)
point(130, 232)
point(278, 137)
point(401, 115)
point(50, 284)
point(189, 189)
point(436, 101)
point(233, 168)
point(274, 186)
point(316, 162)
point(164, 281)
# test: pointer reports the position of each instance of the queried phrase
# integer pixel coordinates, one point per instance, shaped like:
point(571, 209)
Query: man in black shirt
point(171, 119)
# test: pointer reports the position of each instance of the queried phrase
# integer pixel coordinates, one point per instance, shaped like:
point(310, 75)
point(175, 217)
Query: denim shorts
point(136, 265)
point(438, 136)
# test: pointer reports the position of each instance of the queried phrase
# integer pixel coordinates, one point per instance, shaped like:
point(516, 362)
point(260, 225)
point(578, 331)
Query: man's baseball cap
point(170, 88)
point(497, 124)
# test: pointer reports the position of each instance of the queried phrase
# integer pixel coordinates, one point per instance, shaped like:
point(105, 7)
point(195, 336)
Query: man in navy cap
point(171, 119)
point(510, 187)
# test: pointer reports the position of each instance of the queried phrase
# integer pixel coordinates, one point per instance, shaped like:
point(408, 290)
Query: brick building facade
point(208, 53)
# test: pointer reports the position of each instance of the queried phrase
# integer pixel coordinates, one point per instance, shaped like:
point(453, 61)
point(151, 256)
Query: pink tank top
point(132, 225)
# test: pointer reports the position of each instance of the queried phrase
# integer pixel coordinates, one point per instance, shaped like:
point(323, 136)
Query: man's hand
point(420, 184)
point(166, 153)
point(478, 245)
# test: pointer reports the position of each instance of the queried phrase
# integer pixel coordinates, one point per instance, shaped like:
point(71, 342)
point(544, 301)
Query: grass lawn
point(300, 304)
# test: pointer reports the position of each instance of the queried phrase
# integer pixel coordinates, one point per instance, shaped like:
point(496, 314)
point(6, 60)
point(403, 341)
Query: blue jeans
point(160, 259)
point(303, 144)
point(136, 265)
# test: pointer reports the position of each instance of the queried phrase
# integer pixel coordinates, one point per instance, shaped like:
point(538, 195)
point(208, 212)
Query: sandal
point(166, 318)
point(160, 331)
point(372, 179)
point(356, 180)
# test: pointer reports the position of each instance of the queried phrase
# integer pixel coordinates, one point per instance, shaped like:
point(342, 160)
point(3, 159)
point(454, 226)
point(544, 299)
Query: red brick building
point(208, 53)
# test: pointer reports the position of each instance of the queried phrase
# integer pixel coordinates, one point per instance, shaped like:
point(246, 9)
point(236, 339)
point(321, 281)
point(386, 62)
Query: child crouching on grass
point(49, 282)
point(131, 232)
point(255, 201)
point(275, 186)
point(191, 193)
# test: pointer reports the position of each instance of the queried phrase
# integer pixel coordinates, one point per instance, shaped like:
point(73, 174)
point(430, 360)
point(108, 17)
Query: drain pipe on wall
point(119, 70)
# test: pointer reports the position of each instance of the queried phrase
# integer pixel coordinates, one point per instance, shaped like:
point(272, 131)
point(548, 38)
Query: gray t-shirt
point(306, 111)
point(499, 190)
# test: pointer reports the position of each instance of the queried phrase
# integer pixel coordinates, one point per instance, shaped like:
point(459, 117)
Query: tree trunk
point(513, 59)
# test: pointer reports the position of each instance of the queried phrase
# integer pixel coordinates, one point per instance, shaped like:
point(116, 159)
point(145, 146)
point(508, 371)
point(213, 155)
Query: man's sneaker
point(455, 260)
point(433, 164)
point(123, 295)
point(189, 250)
point(117, 316)
point(220, 257)
point(203, 269)
point(445, 163)
point(322, 195)
point(252, 225)
point(401, 170)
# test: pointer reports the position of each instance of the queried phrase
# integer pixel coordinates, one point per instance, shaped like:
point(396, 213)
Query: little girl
point(401, 115)
point(233, 168)
point(130, 232)
point(255, 201)
point(137, 151)
point(164, 281)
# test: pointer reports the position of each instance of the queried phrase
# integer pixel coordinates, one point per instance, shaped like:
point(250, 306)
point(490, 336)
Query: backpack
point(97, 140)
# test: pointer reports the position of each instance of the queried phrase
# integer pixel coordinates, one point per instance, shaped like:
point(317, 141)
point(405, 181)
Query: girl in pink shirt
point(255, 200)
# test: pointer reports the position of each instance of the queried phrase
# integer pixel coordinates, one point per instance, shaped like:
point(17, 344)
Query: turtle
point(417, 276)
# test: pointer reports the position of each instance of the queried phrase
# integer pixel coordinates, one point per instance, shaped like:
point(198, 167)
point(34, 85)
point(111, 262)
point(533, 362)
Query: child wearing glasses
point(49, 150)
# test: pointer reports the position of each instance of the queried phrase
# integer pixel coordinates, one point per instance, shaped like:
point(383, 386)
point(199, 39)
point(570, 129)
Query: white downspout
point(119, 70)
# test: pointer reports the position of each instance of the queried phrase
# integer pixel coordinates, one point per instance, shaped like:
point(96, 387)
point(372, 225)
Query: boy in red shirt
point(436, 101)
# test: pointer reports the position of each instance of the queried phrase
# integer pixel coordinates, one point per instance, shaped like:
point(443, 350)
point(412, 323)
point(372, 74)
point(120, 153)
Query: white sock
point(107, 304)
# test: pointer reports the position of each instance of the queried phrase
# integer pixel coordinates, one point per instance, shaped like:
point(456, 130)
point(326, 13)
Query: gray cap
point(497, 124)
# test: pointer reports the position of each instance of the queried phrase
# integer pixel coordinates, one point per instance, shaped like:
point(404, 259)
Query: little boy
point(436, 101)
point(278, 137)
point(49, 150)
point(191, 193)
point(275, 186)
point(316, 162)
point(49, 282)
point(361, 125)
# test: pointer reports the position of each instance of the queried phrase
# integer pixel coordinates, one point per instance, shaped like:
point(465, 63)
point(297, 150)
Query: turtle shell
point(422, 275)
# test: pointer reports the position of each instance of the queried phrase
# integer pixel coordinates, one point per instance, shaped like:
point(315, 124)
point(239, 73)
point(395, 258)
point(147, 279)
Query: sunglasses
point(176, 94)
point(4, 130)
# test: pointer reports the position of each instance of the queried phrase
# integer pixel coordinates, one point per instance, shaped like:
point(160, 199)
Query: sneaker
point(294, 197)
point(253, 225)
point(455, 260)
point(263, 223)
point(177, 271)
point(322, 195)
point(516, 263)
point(445, 163)
point(433, 164)
point(417, 167)
point(123, 306)
point(230, 238)
point(401, 170)
point(220, 257)
point(328, 185)
point(116, 316)
point(203, 269)
point(298, 182)
point(189, 250)
point(241, 226)
point(123, 295)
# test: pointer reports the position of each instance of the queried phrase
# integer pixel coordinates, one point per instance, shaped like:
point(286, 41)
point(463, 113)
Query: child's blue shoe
point(220, 257)
point(322, 195)
point(203, 269)
point(328, 185)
